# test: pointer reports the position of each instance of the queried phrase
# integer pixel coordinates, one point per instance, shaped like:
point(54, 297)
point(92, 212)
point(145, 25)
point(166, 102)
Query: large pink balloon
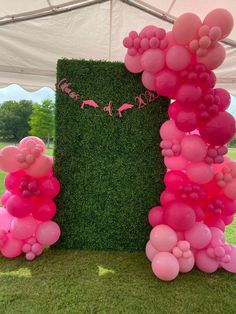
point(13, 180)
point(205, 263)
point(230, 189)
point(221, 18)
point(177, 58)
point(200, 172)
point(169, 131)
point(163, 238)
point(231, 266)
point(186, 121)
point(193, 148)
point(174, 178)
point(12, 248)
point(214, 57)
point(188, 95)
point(8, 162)
point(176, 163)
point(153, 60)
point(186, 28)
point(133, 63)
point(48, 233)
point(186, 264)
point(155, 216)
point(18, 206)
point(165, 266)
point(49, 187)
point(150, 251)
point(219, 130)
point(167, 83)
point(199, 236)
point(23, 228)
point(5, 219)
point(40, 167)
point(173, 109)
point(44, 210)
point(224, 96)
point(148, 80)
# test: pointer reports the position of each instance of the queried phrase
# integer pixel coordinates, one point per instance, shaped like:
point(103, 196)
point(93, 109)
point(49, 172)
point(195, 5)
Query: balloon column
point(199, 199)
point(25, 218)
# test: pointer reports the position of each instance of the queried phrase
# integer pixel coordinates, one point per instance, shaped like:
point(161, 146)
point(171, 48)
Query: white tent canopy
point(35, 34)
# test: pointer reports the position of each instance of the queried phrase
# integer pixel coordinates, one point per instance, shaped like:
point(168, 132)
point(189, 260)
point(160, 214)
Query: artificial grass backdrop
point(110, 169)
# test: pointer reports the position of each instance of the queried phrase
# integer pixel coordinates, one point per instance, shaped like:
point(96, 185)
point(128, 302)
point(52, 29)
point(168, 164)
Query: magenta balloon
point(218, 130)
point(173, 109)
point(23, 228)
point(186, 121)
point(200, 172)
point(8, 162)
point(188, 95)
point(199, 236)
point(186, 28)
point(150, 251)
point(148, 80)
point(48, 233)
point(186, 264)
point(45, 210)
point(228, 219)
point(174, 178)
point(193, 148)
point(163, 238)
point(165, 266)
point(153, 60)
point(221, 18)
point(177, 58)
point(230, 189)
point(49, 187)
point(169, 131)
point(18, 207)
point(40, 167)
point(26, 140)
point(155, 216)
point(205, 263)
point(12, 248)
point(167, 83)
point(5, 219)
point(133, 63)
point(176, 163)
point(214, 57)
point(167, 197)
point(224, 96)
point(13, 180)
point(180, 216)
point(5, 198)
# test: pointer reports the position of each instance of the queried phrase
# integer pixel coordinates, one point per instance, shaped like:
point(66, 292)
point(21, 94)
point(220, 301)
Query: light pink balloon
point(165, 266)
point(214, 57)
point(153, 60)
point(176, 163)
point(217, 234)
point(205, 263)
point(231, 266)
point(148, 80)
point(199, 172)
point(163, 238)
point(221, 18)
point(193, 148)
point(48, 233)
point(40, 167)
point(186, 28)
point(150, 251)
point(12, 248)
point(186, 264)
point(230, 189)
point(26, 141)
point(133, 63)
point(177, 58)
point(8, 162)
point(23, 228)
point(188, 95)
point(169, 131)
point(199, 236)
point(167, 83)
point(155, 216)
point(5, 219)
point(5, 198)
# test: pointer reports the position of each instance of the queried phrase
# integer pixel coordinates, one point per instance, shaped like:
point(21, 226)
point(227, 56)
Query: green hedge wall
point(110, 169)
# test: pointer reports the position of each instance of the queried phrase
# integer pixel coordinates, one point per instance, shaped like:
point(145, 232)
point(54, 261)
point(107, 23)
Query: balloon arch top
point(200, 194)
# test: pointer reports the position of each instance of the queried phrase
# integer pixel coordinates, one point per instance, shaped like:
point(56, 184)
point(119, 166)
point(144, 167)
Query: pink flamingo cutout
point(123, 108)
point(90, 103)
point(141, 102)
point(108, 109)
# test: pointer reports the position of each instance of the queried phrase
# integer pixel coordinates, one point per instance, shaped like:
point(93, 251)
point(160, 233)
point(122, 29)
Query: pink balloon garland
point(200, 195)
point(25, 218)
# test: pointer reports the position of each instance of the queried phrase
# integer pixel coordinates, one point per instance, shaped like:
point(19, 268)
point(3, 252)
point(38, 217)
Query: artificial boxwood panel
point(110, 168)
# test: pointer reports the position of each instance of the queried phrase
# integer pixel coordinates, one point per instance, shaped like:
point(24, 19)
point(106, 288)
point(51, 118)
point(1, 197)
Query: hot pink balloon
point(18, 207)
point(5, 219)
point(169, 131)
point(224, 96)
point(5, 198)
point(163, 238)
point(176, 163)
point(12, 248)
point(174, 178)
point(48, 233)
point(199, 172)
point(219, 130)
point(167, 197)
point(186, 121)
point(133, 63)
point(23, 228)
point(205, 263)
point(199, 236)
point(165, 266)
point(155, 216)
point(193, 148)
point(230, 189)
point(153, 60)
point(40, 167)
point(186, 264)
point(188, 95)
point(180, 216)
point(177, 58)
point(13, 180)
point(150, 251)
point(8, 162)
point(49, 187)
point(44, 210)
point(173, 109)
point(167, 83)
point(148, 80)
point(214, 57)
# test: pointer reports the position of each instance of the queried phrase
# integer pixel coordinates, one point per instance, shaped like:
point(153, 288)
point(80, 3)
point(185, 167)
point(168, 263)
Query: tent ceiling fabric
point(89, 29)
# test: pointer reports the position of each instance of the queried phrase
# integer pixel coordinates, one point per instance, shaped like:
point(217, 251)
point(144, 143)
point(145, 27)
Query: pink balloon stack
point(25, 218)
point(199, 199)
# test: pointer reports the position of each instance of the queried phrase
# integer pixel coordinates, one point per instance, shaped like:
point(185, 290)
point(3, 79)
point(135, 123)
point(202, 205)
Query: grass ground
point(109, 282)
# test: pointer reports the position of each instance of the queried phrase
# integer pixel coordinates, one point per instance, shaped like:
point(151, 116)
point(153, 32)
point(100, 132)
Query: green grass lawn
point(62, 281)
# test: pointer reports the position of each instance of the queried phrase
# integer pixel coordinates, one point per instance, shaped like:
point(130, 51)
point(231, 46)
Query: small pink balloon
point(205, 263)
point(133, 63)
point(5, 219)
point(163, 238)
point(176, 163)
point(230, 190)
point(186, 121)
point(150, 251)
point(165, 266)
point(228, 219)
point(193, 148)
point(18, 207)
point(148, 80)
point(153, 60)
point(8, 161)
point(188, 95)
point(177, 58)
point(167, 83)
point(187, 21)
point(224, 96)
point(155, 216)
point(173, 110)
point(30, 256)
point(169, 131)
point(13, 180)
point(186, 264)
point(231, 266)
point(49, 187)
point(214, 57)
point(199, 236)
point(5, 198)
point(167, 197)
point(23, 228)
point(48, 233)
point(40, 167)
point(204, 42)
point(215, 33)
point(12, 248)
point(199, 172)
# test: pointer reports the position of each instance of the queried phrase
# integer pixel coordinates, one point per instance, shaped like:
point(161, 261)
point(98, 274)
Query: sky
point(15, 92)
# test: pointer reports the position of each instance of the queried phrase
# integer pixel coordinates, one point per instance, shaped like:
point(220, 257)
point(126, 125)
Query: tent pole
point(110, 29)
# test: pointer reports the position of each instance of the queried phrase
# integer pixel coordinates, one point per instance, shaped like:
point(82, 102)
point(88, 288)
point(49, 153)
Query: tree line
point(22, 118)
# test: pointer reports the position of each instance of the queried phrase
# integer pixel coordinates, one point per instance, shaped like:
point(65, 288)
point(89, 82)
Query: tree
point(42, 120)
point(14, 117)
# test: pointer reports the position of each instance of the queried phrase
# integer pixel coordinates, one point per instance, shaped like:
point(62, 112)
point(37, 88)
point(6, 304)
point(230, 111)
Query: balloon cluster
point(200, 195)
point(25, 218)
